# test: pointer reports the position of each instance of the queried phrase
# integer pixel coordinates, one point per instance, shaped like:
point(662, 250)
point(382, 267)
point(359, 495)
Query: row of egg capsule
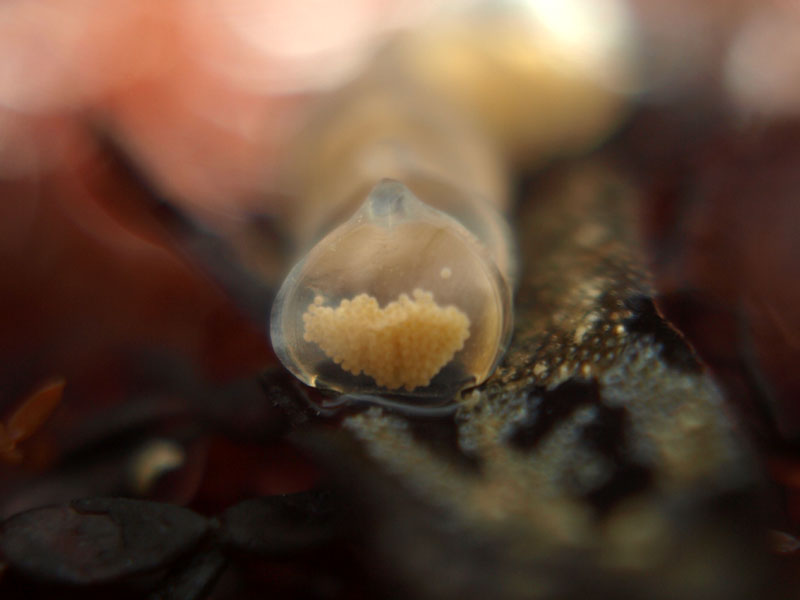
point(401, 178)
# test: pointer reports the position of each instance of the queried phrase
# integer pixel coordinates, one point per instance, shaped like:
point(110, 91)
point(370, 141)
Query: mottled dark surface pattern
point(599, 460)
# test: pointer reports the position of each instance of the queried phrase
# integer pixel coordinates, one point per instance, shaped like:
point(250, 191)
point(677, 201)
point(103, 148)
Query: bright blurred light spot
point(595, 34)
point(305, 45)
point(297, 29)
point(762, 69)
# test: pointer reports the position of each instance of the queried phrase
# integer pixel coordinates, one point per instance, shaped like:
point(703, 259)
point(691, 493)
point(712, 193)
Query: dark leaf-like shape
point(194, 580)
point(98, 540)
point(213, 253)
point(280, 525)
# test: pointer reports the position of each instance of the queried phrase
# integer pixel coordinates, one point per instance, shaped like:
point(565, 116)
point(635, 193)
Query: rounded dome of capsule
point(400, 299)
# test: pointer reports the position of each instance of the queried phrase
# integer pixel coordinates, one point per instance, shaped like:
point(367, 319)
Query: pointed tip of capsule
point(389, 199)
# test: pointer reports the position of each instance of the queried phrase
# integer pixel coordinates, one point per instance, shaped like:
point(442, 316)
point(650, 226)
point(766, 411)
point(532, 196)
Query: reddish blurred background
point(205, 94)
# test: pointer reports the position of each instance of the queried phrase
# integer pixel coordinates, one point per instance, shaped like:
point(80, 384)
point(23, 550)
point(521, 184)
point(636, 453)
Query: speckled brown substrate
point(598, 461)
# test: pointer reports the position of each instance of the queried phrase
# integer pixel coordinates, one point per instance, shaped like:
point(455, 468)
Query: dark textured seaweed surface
point(607, 464)
point(601, 459)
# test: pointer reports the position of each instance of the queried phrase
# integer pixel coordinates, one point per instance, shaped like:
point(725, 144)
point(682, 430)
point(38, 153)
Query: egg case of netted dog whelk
point(400, 299)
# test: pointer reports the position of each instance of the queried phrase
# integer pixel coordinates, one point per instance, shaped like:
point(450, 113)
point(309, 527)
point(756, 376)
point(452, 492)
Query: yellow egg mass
point(404, 344)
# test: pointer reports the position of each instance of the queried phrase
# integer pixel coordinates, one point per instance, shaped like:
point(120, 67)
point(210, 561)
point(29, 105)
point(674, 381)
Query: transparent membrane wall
point(400, 298)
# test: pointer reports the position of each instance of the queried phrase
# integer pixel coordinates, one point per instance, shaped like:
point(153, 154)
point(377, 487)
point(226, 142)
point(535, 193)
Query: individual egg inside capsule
point(399, 299)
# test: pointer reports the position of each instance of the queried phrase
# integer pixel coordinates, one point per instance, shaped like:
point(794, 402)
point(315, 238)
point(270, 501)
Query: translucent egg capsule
point(400, 299)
